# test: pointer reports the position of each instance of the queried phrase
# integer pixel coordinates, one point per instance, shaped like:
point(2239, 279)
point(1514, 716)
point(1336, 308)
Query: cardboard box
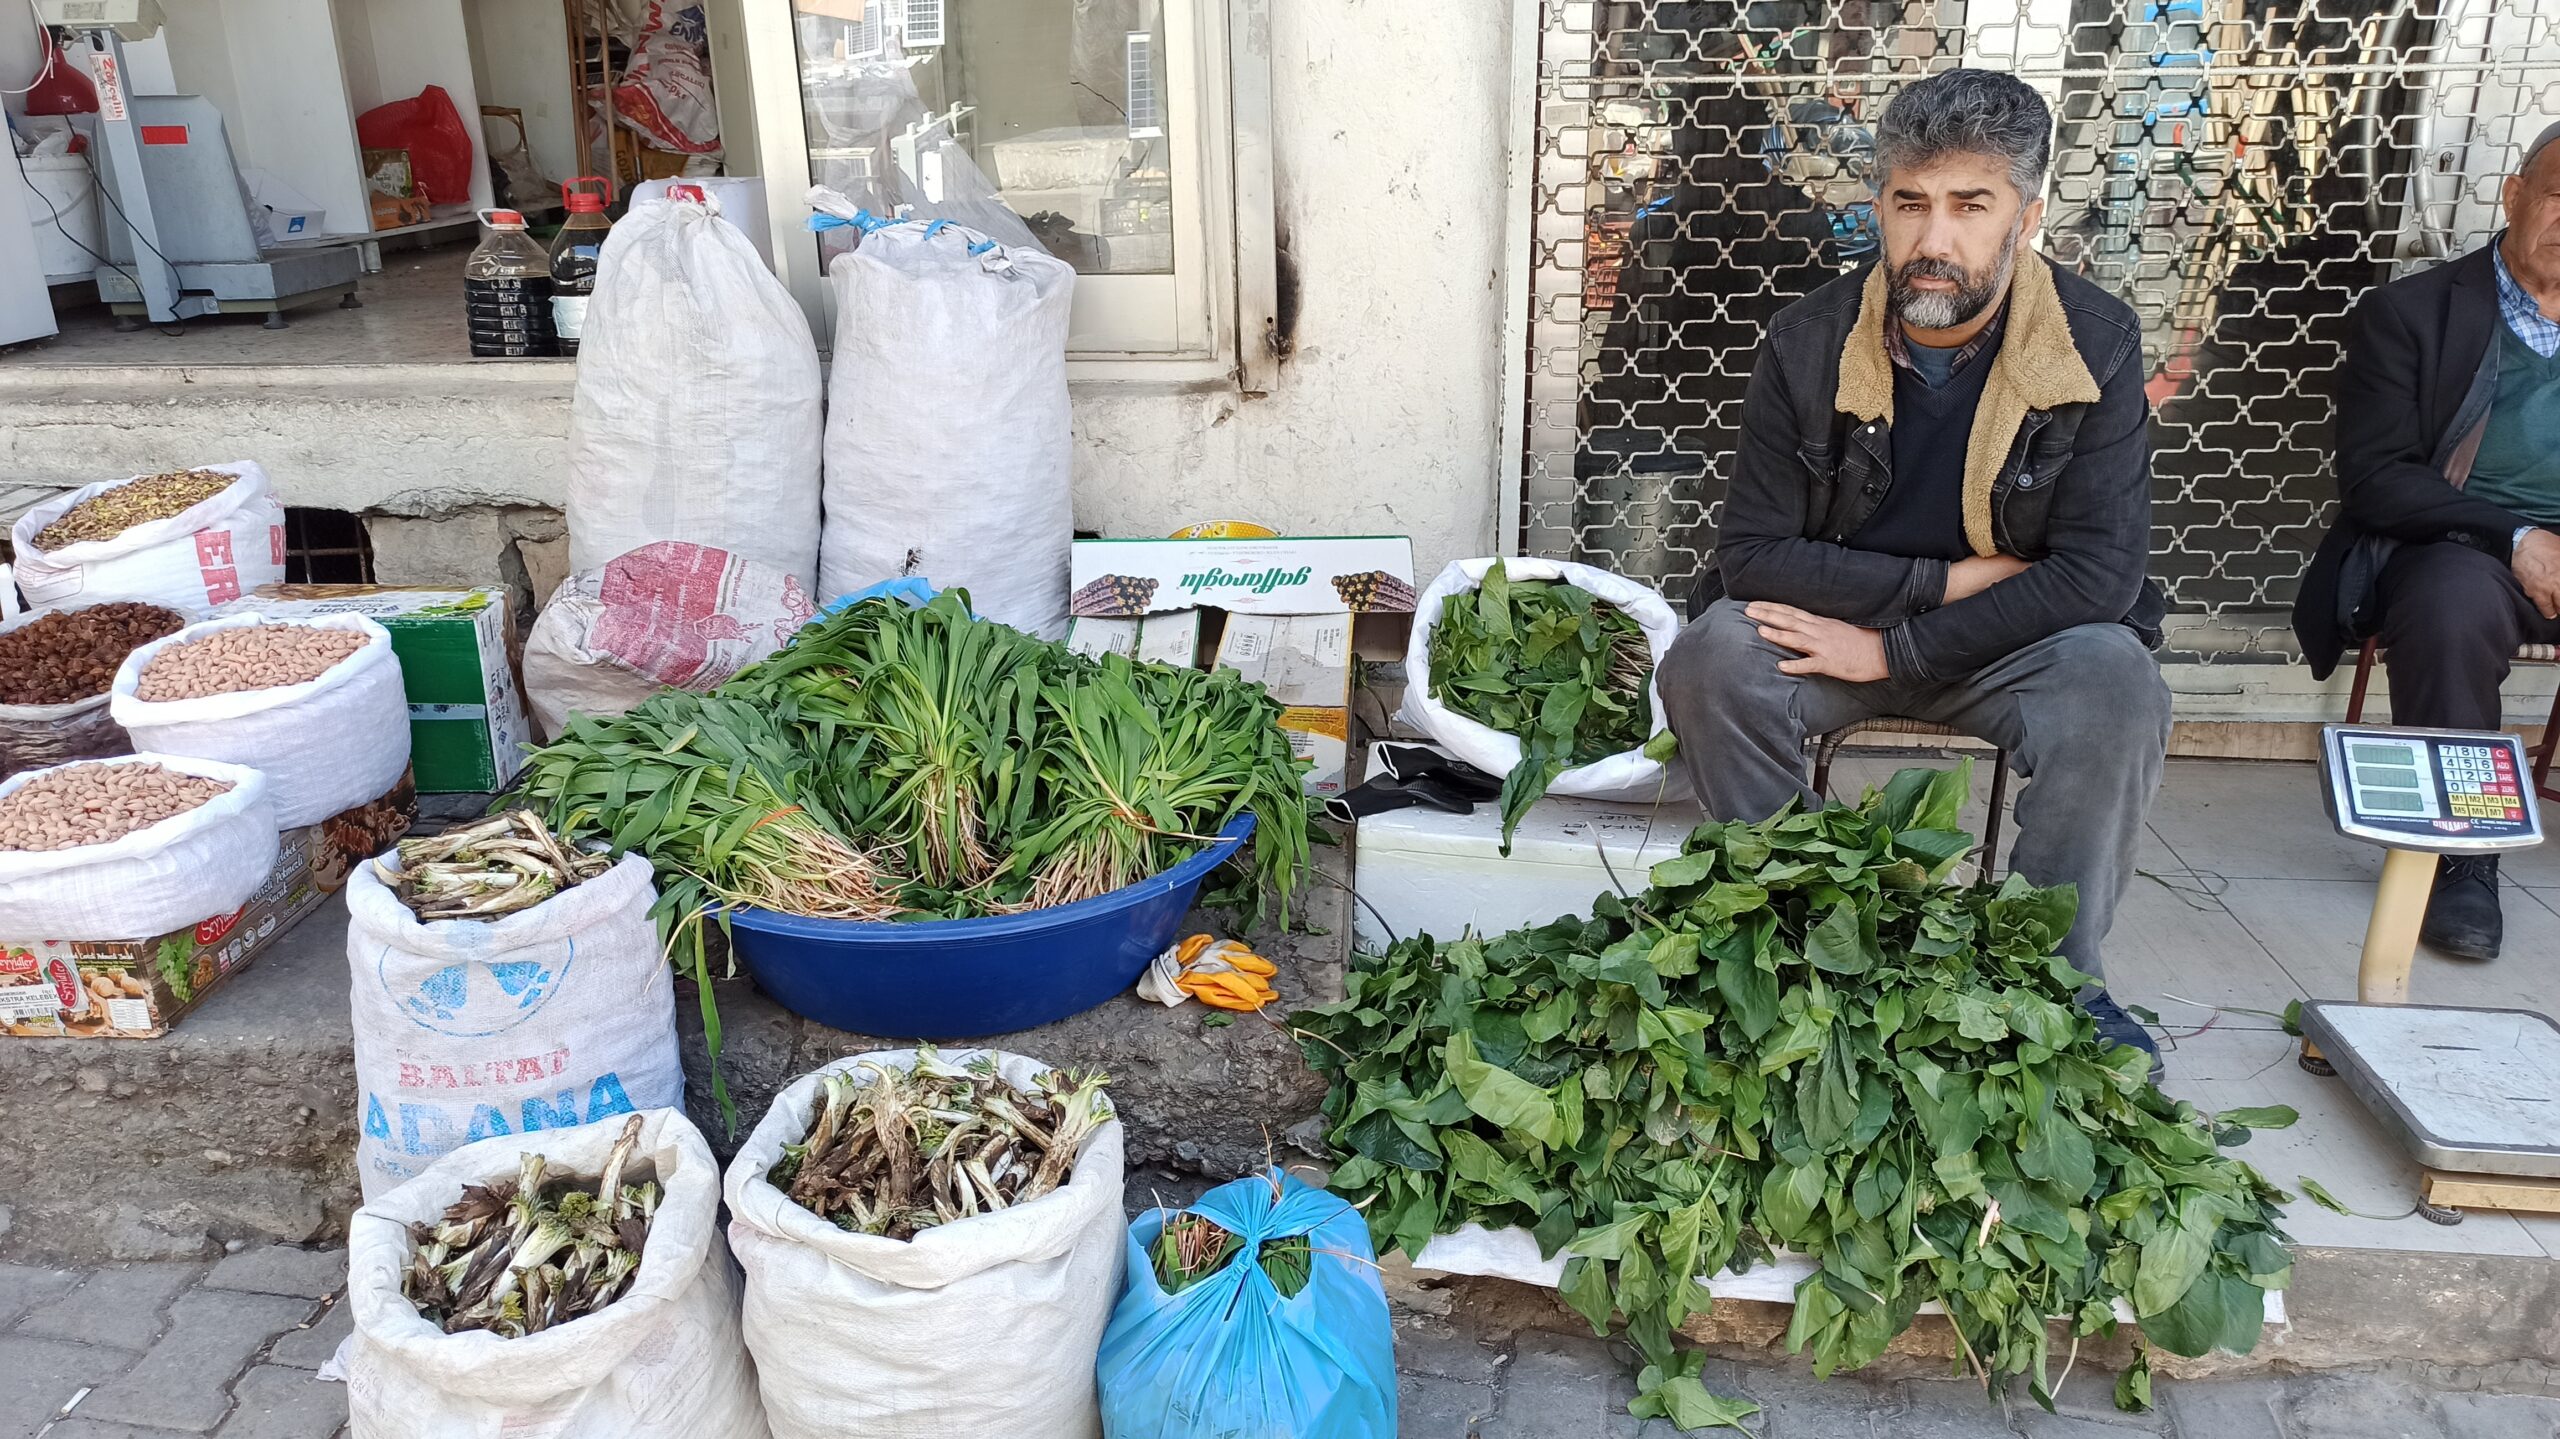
point(1369, 576)
point(467, 724)
point(1169, 639)
point(138, 988)
point(1305, 662)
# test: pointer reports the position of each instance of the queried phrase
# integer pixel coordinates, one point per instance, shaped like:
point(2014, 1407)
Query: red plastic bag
point(431, 130)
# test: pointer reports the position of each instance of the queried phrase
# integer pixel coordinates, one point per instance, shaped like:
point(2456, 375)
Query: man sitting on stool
point(2448, 459)
point(1942, 509)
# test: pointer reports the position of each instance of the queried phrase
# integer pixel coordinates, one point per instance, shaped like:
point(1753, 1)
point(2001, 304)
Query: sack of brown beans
point(130, 847)
point(189, 539)
point(317, 705)
point(55, 669)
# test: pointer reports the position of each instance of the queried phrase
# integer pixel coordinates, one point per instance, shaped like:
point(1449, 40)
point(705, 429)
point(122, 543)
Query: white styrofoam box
point(1430, 872)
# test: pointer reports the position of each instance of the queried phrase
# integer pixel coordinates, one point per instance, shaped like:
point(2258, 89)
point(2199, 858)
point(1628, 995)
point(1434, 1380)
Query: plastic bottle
point(573, 256)
point(506, 289)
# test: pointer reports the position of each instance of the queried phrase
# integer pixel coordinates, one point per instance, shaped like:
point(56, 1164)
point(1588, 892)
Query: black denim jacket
point(2058, 473)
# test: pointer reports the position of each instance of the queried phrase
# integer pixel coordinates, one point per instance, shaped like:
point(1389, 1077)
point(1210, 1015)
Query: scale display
point(2442, 790)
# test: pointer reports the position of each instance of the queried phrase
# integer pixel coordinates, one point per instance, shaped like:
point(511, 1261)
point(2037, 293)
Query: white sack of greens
point(574, 979)
point(616, 1250)
point(954, 1286)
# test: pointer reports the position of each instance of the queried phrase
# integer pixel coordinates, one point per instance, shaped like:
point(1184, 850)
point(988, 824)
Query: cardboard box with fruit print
point(138, 988)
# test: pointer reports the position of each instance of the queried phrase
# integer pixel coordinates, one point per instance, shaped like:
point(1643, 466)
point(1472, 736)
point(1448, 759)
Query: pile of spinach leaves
point(1802, 1036)
point(1570, 675)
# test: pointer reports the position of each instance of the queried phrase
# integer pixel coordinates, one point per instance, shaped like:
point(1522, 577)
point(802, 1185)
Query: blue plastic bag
point(1228, 1358)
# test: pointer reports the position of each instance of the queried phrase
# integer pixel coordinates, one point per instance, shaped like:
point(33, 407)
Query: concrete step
point(240, 1125)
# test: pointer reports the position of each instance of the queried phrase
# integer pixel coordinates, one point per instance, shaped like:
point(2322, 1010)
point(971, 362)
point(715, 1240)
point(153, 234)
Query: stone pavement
point(228, 1349)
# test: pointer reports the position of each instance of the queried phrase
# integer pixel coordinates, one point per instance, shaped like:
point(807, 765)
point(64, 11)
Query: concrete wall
point(1389, 121)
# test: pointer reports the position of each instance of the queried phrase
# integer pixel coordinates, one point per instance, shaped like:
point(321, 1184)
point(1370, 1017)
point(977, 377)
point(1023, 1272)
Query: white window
point(1126, 137)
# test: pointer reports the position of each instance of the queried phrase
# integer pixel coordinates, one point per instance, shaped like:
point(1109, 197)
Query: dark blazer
point(2058, 471)
point(2420, 373)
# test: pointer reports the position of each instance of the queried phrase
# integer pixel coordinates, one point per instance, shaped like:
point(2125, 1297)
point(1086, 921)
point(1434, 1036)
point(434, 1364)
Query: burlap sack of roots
point(988, 1326)
point(664, 1361)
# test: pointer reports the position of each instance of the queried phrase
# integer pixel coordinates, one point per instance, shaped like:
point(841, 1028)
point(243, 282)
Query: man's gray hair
point(1968, 112)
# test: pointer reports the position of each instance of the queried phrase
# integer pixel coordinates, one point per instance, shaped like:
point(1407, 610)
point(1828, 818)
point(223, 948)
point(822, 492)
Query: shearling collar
point(2038, 368)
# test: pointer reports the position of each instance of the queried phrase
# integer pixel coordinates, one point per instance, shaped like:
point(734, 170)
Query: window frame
point(1180, 327)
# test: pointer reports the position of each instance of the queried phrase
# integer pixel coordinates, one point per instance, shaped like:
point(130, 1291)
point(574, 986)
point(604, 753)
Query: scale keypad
point(2480, 782)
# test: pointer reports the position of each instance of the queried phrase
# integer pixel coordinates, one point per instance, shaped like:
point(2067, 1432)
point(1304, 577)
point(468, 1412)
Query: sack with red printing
point(666, 615)
point(211, 553)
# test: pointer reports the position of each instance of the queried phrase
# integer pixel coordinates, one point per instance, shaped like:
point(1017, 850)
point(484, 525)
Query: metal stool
point(1826, 746)
point(2525, 655)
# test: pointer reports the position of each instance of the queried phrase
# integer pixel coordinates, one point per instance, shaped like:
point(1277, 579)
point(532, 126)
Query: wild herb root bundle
point(1801, 1037)
point(524, 1255)
point(1570, 675)
point(916, 763)
point(487, 870)
point(895, 1152)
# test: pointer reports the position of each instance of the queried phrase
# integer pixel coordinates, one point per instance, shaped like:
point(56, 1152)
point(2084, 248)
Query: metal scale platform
point(2474, 1094)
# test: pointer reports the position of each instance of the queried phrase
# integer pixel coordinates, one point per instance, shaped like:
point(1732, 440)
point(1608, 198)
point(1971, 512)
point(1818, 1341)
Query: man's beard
point(1945, 309)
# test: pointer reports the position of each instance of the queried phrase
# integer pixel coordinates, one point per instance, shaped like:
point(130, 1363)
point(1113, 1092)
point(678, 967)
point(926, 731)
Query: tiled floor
point(2246, 899)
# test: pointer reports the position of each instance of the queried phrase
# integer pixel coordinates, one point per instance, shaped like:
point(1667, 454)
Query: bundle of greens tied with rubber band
point(1569, 675)
point(898, 763)
point(1801, 1037)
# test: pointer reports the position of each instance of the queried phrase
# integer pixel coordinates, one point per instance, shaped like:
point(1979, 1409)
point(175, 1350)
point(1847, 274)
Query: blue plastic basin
point(966, 978)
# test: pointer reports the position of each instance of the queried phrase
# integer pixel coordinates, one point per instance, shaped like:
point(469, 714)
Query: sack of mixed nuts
point(55, 669)
point(187, 539)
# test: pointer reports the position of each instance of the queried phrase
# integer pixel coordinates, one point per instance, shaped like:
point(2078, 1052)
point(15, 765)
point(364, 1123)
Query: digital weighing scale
point(2473, 1093)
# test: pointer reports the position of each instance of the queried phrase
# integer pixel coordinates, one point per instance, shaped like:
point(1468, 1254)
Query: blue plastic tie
point(982, 247)
point(862, 220)
point(935, 228)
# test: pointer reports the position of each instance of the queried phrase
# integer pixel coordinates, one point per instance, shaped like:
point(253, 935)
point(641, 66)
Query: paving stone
point(212, 1336)
point(310, 1348)
point(76, 1427)
point(2357, 1406)
point(2088, 1393)
point(23, 1287)
point(1555, 1384)
point(39, 1376)
point(279, 1403)
point(282, 1269)
point(2500, 1416)
point(1720, 1376)
point(1430, 1407)
point(2219, 1409)
point(1943, 1409)
point(2033, 1422)
point(1795, 1405)
point(119, 1307)
point(1426, 1344)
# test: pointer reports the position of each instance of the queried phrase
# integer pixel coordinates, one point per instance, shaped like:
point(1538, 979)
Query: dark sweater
point(1921, 516)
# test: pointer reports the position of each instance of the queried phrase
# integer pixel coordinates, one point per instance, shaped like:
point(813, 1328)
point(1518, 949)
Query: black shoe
point(2462, 916)
point(2118, 1027)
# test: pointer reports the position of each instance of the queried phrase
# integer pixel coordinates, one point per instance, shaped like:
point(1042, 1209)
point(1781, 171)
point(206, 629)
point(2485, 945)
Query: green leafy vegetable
point(1802, 1037)
point(1571, 676)
point(898, 762)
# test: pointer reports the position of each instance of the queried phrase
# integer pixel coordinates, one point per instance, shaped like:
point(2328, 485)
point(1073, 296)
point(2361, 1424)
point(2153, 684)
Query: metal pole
point(2391, 936)
point(158, 281)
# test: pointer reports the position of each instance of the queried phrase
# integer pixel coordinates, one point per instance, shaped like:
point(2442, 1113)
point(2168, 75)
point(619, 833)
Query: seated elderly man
point(1942, 509)
point(2448, 458)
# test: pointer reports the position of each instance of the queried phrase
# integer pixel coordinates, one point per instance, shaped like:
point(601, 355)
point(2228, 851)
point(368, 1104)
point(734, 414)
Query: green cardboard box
point(467, 724)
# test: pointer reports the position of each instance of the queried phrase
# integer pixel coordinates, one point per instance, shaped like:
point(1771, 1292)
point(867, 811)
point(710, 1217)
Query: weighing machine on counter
point(2474, 1094)
point(179, 239)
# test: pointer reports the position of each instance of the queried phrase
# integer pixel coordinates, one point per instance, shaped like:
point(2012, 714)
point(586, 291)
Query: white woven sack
point(664, 1361)
point(186, 869)
point(697, 411)
point(1625, 777)
point(325, 745)
point(984, 1327)
point(548, 1018)
point(212, 553)
point(949, 446)
point(668, 614)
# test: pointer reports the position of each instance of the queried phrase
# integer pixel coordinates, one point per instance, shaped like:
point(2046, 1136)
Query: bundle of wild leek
point(1569, 675)
point(898, 762)
point(524, 1255)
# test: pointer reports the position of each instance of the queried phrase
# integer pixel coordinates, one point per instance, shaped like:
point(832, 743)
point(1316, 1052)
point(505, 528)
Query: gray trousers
point(2084, 713)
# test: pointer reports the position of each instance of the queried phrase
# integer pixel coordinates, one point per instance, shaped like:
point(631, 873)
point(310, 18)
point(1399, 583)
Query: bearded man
point(1942, 509)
